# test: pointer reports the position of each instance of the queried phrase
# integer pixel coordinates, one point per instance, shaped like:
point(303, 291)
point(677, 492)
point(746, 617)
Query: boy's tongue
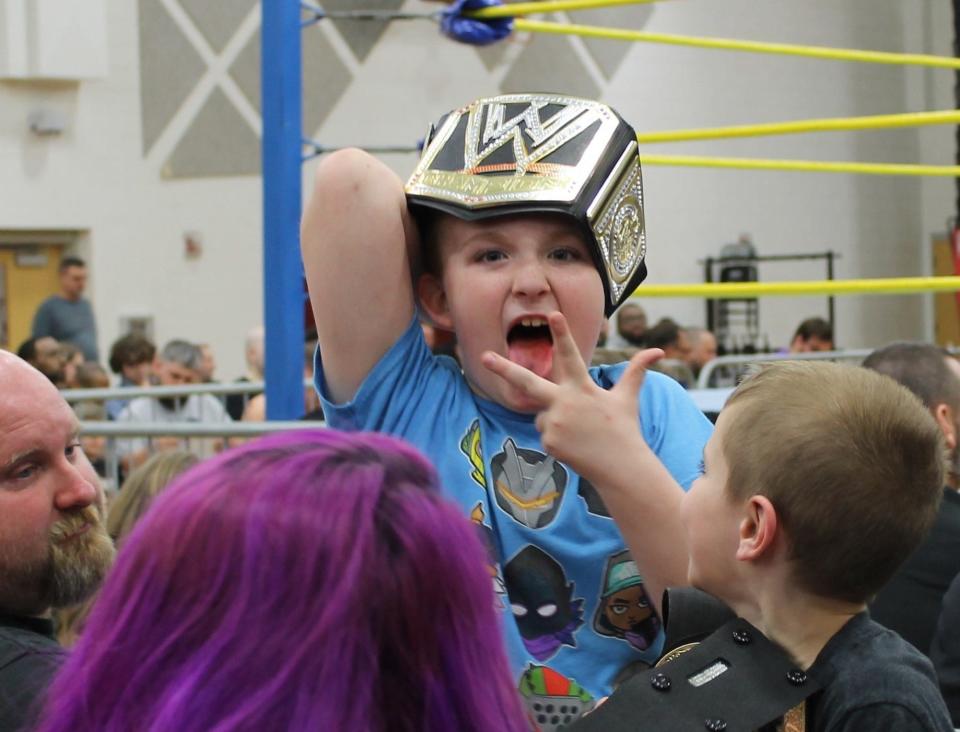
point(535, 354)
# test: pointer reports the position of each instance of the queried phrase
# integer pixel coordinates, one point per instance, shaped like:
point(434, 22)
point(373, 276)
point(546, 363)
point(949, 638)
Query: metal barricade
point(195, 431)
point(187, 430)
point(736, 365)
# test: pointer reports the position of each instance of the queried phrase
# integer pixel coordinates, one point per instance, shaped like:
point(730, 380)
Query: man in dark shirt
point(68, 316)
point(54, 549)
point(910, 602)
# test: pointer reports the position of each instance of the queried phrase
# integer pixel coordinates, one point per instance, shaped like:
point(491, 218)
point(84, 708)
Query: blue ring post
point(281, 151)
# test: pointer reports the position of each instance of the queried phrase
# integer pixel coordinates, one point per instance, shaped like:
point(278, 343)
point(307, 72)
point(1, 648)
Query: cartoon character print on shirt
point(552, 700)
point(625, 610)
point(528, 484)
point(542, 602)
point(470, 446)
point(493, 566)
point(591, 497)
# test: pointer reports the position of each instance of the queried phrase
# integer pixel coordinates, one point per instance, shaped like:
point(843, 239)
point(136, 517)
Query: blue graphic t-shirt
point(575, 609)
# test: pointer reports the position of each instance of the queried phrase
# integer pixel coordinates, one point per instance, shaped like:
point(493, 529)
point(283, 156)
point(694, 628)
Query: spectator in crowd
point(813, 334)
point(208, 364)
point(68, 316)
point(94, 446)
point(256, 409)
point(177, 365)
point(910, 602)
point(54, 549)
point(703, 348)
point(604, 355)
point(310, 580)
point(253, 356)
point(136, 495)
point(632, 324)
point(131, 358)
point(945, 650)
point(45, 356)
point(802, 513)
point(668, 336)
point(72, 358)
point(91, 375)
point(141, 487)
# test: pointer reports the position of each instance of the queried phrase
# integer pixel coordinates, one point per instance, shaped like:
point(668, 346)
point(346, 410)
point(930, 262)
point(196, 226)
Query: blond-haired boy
point(819, 480)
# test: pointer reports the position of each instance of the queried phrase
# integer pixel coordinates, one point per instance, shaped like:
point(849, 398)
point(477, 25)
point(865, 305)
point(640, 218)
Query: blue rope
point(476, 32)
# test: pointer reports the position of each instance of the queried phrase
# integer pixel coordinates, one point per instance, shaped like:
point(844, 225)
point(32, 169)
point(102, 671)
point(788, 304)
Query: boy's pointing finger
point(519, 377)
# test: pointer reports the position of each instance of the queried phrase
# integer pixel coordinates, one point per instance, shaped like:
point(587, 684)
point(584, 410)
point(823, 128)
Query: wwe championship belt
point(794, 720)
point(736, 680)
point(542, 153)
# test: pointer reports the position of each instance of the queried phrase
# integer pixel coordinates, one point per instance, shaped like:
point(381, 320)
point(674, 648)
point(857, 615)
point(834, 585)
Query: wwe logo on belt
point(544, 135)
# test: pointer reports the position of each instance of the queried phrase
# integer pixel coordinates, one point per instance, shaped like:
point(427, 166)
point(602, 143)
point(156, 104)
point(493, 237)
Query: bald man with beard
point(54, 548)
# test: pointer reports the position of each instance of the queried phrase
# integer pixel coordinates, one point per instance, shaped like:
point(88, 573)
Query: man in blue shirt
point(68, 317)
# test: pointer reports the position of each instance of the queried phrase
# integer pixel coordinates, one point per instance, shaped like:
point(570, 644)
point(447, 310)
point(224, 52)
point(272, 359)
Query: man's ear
point(758, 529)
point(944, 415)
point(433, 300)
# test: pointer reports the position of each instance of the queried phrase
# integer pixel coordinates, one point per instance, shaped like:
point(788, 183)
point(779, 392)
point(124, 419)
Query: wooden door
point(29, 276)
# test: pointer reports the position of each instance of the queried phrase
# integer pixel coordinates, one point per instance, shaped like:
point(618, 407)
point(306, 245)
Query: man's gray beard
point(67, 574)
point(172, 404)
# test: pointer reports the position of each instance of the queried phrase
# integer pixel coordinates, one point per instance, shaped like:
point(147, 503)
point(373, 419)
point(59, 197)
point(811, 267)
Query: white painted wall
point(95, 178)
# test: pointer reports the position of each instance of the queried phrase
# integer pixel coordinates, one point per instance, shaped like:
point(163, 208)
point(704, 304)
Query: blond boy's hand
point(581, 424)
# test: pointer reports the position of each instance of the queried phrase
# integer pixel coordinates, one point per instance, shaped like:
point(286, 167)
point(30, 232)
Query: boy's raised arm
point(357, 239)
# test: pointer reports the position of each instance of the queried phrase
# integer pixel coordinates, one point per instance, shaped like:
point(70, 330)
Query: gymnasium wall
point(163, 144)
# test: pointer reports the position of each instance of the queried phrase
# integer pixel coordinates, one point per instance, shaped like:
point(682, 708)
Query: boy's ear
point(433, 300)
point(944, 415)
point(758, 529)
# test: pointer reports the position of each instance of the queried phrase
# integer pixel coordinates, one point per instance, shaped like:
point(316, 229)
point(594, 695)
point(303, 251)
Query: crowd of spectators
point(247, 602)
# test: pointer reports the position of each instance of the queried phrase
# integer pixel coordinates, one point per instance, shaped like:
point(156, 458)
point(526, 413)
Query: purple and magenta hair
point(309, 580)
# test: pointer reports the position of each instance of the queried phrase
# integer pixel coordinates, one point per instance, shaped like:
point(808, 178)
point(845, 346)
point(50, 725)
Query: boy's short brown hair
point(130, 350)
point(852, 462)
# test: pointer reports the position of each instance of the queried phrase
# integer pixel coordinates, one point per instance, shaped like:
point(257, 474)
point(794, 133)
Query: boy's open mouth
point(530, 344)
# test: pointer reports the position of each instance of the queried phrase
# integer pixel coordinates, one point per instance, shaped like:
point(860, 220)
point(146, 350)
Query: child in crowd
point(819, 481)
point(308, 581)
point(523, 205)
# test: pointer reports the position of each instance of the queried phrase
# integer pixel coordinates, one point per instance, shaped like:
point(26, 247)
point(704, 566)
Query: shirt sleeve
point(216, 412)
point(394, 394)
point(673, 426)
point(129, 445)
point(42, 324)
point(945, 650)
point(24, 684)
point(874, 717)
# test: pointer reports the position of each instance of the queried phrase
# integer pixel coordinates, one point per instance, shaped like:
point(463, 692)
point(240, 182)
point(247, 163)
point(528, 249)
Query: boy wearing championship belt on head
point(522, 206)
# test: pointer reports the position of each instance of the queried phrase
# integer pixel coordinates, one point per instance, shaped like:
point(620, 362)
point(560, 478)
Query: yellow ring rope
point(836, 54)
point(741, 290)
point(515, 10)
point(806, 166)
point(875, 122)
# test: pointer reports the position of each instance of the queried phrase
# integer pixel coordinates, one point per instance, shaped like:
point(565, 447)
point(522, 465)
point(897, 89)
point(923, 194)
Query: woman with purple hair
point(306, 581)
